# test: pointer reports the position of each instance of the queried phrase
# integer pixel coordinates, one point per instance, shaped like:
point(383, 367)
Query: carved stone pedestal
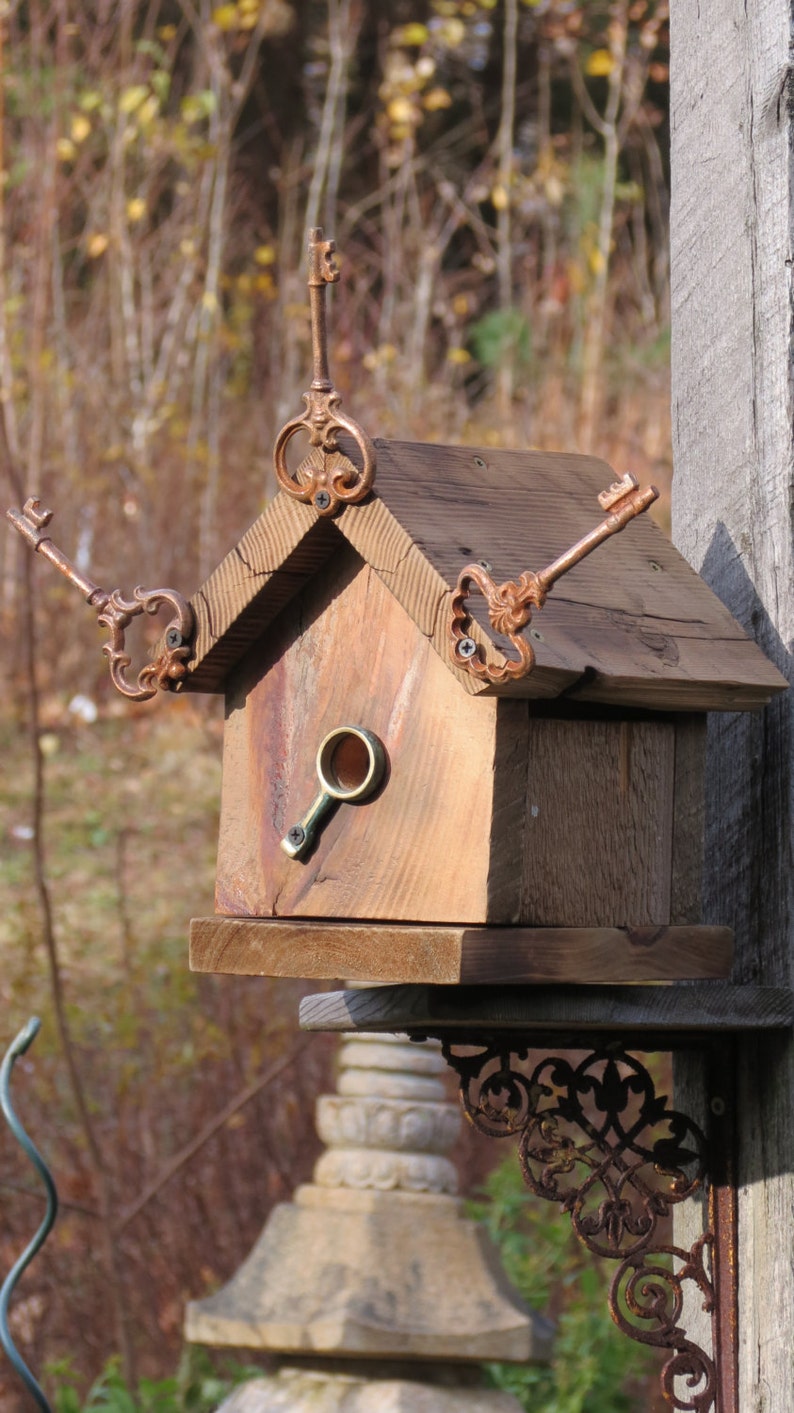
point(373, 1261)
point(413, 1390)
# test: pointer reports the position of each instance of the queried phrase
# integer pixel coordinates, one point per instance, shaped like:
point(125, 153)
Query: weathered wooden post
point(733, 344)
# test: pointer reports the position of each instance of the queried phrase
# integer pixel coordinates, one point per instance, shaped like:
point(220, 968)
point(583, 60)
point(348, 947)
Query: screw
point(480, 464)
point(657, 568)
point(322, 500)
point(467, 648)
point(717, 1106)
point(173, 638)
point(536, 634)
point(296, 835)
point(484, 564)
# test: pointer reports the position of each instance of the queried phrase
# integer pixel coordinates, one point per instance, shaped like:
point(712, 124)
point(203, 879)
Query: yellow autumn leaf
point(265, 284)
point(80, 127)
point(187, 248)
point(226, 17)
point(136, 208)
point(554, 190)
point(96, 245)
point(166, 33)
point(410, 36)
point(400, 110)
point(453, 32)
point(599, 64)
point(499, 198)
point(210, 301)
point(148, 110)
point(460, 305)
point(596, 262)
point(436, 99)
point(265, 255)
point(458, 355)
point(65, 149)
point(132, 97)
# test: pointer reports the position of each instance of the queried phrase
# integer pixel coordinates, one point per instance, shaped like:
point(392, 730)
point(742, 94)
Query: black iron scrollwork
point(595, 1137)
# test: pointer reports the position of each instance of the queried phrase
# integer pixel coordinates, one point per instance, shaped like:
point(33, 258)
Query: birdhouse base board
point(458, 956)
point(656, 1017)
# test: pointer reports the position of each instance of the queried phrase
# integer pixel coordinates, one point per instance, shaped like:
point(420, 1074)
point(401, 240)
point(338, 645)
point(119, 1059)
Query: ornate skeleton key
point(116, 613)
point(326, 477)
point(510, 604)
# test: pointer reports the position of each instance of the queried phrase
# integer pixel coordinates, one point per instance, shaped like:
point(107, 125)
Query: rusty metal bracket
point(116, 613)
point(595, 1137)
point(510, 604)
point(326, 477)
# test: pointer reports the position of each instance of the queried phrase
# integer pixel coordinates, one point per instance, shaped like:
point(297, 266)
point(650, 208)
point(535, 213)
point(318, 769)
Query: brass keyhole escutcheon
point(350, 766)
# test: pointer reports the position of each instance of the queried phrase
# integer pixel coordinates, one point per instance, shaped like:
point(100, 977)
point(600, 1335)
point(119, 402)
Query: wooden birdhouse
point(431, 772)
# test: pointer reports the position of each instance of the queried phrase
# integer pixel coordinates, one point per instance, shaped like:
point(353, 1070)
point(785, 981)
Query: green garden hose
point(15, 1049)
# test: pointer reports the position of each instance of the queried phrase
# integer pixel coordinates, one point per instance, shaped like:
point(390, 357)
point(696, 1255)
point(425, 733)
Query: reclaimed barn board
point(450, 955)
point(630, 625)
point(732, 239)
point(662, 1011)
point(345, 653)
point(488, 814)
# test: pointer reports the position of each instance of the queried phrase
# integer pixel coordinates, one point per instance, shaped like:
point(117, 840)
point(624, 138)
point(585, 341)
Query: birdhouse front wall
point(344, 652)
point(489, 813)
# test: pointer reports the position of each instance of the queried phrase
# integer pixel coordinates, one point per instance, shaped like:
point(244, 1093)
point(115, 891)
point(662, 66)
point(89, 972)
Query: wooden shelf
point(653, 1017)
point(455, 955)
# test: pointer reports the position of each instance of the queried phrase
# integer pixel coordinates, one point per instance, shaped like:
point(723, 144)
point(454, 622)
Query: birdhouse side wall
point(599, 823)
point(344, 652)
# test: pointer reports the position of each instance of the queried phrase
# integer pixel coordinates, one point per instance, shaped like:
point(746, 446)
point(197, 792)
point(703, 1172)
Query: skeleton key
point(350, 766)
point(326, 477)
point(116, 613)
point(510, 604)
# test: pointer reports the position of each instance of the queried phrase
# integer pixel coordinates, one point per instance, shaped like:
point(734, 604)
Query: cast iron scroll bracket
point(510, 604)
point(595, 1137)
point(116, 613)
point(326, 477)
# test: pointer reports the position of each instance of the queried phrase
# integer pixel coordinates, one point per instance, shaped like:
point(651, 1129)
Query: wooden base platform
point(647, 1017)
point(467, 956)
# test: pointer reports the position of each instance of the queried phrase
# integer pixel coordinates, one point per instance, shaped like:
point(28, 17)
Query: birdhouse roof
point(631, 625)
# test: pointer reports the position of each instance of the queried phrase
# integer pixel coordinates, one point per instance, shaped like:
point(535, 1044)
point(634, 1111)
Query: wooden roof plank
point(631, 625)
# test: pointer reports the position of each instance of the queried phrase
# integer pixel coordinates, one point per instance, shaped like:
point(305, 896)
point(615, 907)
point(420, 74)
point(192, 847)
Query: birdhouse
point(460, 746)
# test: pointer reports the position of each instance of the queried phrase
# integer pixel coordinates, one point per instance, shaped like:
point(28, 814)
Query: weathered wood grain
point(345, 652)
point(599, 823)
point(490, 814)
point(686, 881)
point(664, 1011)
point(326, 951)
point(733, 425)
point(631, 624)
point(262, 573)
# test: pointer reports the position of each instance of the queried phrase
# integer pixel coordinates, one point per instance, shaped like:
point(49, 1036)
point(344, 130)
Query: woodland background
point(495, 175)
